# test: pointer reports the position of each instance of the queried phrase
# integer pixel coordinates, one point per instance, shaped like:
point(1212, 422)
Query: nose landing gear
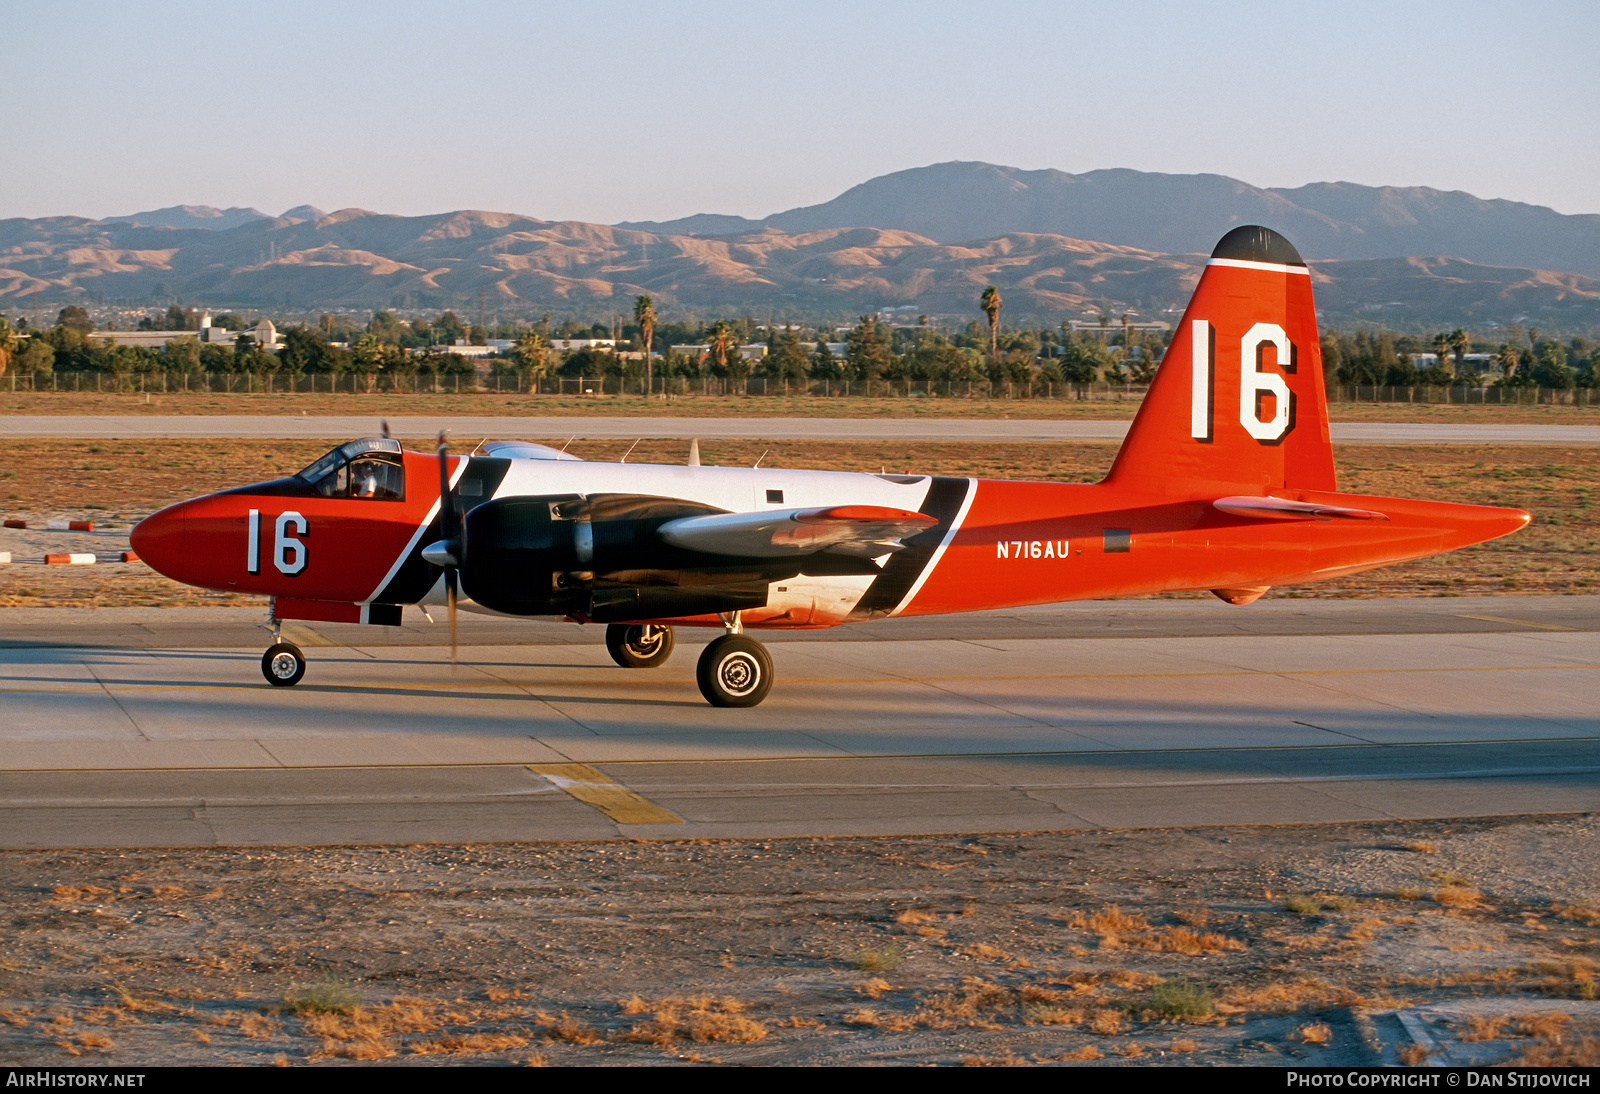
point(283, 664)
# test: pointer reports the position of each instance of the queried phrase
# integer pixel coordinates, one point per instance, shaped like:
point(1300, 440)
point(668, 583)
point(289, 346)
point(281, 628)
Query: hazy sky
point(610, 111)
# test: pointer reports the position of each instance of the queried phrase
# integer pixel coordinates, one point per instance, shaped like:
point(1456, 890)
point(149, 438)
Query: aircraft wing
point(866, 531)
point(1284, 509)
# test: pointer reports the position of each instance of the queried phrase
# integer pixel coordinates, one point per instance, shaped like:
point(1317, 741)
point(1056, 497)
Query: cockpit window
point(377, 476)
point(369, 468)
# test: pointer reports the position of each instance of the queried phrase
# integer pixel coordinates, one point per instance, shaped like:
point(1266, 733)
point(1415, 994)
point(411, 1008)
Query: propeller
point(446, 551)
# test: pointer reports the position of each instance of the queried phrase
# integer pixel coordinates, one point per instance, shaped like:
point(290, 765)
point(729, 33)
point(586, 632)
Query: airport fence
point(516, 382)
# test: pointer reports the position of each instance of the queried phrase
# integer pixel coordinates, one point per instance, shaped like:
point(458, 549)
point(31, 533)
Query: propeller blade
point(449, 530)
point(450, 595)
point(446, 508)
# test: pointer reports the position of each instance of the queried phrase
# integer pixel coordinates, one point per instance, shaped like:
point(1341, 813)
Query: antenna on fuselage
point(760, 458)
point(629, 452)
point(694, 452)
point(383, 427)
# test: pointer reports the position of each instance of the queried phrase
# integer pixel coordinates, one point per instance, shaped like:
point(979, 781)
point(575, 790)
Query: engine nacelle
point(600, 558)
point(517, 553)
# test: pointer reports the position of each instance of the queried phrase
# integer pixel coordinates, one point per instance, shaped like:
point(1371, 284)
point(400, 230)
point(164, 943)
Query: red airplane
point(1224, 483)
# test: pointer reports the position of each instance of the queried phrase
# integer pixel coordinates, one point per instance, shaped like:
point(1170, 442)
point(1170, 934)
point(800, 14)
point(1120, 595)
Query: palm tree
point(8, 344)
point(722, 342)
point(1509, 358)
point(1460, 342)
point(531, 355)
point(1441, 349)
point(644, 313)
point(990, 304)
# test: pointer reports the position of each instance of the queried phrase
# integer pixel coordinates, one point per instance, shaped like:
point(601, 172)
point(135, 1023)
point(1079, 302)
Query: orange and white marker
point(5, 558)
point(130, 556)
point(69, 525)
point(85, 559)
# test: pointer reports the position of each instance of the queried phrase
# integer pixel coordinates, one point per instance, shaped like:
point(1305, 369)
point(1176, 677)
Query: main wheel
point(638, 646)
point(734, 671)
point(283, 665)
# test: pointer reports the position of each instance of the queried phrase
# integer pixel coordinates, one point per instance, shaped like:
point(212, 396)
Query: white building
point(755, 351)
point(264, 333)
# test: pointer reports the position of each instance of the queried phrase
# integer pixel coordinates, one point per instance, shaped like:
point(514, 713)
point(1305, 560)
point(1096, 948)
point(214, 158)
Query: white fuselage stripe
point(411, 544)
point(927, 571)
point(1270, 267)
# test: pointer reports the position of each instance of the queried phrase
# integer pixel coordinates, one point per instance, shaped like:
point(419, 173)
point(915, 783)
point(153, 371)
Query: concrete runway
point(1131, 714)
point(782, 429)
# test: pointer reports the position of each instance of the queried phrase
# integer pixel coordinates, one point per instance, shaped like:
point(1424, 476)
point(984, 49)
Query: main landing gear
point(283, 664)
point(639, 646)
point(734, 670)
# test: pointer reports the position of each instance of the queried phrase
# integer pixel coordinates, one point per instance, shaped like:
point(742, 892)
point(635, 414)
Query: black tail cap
point(1253, 243)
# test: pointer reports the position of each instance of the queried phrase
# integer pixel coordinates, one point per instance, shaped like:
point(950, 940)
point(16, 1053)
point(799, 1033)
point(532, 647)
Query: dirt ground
point(718, 406)
point(117, 482)
point(1311, 946)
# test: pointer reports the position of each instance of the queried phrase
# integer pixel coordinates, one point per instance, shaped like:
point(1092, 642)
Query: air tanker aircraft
point(1224, 483)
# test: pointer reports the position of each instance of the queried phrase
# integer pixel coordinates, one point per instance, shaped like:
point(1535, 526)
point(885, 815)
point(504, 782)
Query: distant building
point(490, 347)
point(264, 333)
point(1480, 362)
point(155, 339)
point(1093, 326)
point(755, 351)
point(572, 345)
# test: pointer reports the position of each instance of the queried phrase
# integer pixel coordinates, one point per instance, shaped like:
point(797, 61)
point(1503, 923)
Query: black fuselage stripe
point(416, 576)
point(886, 593)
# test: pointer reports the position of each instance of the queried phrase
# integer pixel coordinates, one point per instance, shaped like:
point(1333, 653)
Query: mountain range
point(1187, 214)
point(921, 241)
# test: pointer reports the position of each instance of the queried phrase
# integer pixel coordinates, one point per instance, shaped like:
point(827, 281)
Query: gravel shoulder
point(1334, 945)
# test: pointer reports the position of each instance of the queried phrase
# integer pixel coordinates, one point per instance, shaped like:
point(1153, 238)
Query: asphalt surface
point(122, 731)
point(818, 429)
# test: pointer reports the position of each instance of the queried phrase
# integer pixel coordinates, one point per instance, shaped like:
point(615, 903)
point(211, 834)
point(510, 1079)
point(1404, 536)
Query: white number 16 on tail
point(1254, 384)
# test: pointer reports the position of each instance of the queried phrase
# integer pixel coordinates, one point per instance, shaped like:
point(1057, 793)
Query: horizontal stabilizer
point(862, 530)
point(1283, 509)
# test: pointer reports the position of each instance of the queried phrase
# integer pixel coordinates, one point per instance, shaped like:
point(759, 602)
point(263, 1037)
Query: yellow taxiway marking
point(616, 801)
point(516, 687)
point(1518, 622)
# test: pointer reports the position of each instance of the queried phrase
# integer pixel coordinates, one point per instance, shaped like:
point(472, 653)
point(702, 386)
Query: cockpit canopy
point(369, 468)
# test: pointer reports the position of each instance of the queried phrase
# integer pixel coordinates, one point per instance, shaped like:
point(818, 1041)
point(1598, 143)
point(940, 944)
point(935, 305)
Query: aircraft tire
point(734, 671)
point(283, 665)
point(631, 648)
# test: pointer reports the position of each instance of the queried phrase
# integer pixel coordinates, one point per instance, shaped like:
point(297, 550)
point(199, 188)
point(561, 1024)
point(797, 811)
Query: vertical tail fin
point(1238, 403)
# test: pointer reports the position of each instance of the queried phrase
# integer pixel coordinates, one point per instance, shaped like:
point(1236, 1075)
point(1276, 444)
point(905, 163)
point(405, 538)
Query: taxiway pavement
point(781, 429)
point(1130, 714)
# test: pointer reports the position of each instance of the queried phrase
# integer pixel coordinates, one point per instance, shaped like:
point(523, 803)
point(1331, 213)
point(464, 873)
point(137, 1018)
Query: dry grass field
point(117, 482)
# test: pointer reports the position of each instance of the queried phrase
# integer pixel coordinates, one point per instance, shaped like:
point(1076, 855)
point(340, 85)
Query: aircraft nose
point(158, 540)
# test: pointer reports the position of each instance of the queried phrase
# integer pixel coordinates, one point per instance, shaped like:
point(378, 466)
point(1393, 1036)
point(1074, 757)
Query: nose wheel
point(283, 664)
point(644, 646)
point(734, 671)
